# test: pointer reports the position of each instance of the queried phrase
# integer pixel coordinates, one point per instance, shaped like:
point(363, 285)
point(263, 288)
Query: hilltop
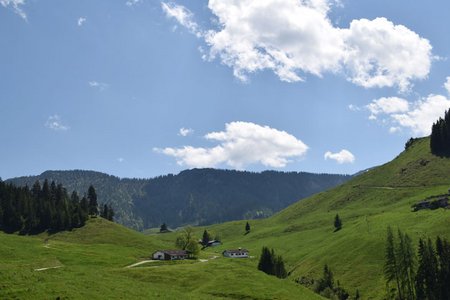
point(197, 196)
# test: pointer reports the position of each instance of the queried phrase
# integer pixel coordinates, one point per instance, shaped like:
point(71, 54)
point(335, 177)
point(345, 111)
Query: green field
point(93, 258)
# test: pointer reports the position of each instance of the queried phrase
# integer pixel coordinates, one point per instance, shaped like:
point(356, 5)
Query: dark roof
point(236, 250)
point(173, 252)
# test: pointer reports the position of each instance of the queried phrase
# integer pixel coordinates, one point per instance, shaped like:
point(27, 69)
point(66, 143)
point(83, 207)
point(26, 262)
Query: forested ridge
point(197, 196)
point(46, 208)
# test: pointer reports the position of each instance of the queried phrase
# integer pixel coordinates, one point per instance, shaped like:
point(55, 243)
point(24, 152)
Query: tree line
point(272, 264)
point(426, 276)
point(47, 207)
point(440, 136)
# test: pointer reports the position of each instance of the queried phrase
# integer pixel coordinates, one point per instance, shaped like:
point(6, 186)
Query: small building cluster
point(236, 253)
point(170, 254)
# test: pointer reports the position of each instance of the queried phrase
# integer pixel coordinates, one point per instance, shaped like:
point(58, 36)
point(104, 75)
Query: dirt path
point(141, 263)
point(43, 269)
point(154, 261)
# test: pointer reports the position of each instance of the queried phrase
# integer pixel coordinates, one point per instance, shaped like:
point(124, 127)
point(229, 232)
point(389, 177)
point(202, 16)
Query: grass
point(93, 258)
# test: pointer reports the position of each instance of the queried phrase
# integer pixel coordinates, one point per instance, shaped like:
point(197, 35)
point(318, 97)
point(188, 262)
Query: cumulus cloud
point(81, 21)
point(16, 6)
point(417, 116)
point(183, 16)
point(341, 157)
point(423, 114)
point(241, 144)
point(387, 105)
point(101, 86)
point(293, 38)
point(55, 123)
point(185, 131)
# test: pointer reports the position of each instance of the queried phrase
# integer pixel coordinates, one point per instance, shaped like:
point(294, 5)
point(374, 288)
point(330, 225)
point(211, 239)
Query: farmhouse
point(237, 253)
point(170, 254)
point(214, 243)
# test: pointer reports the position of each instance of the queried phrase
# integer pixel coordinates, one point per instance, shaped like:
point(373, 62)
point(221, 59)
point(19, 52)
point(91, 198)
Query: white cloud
point(342, 157)
point(423, 114)
point(81, 21)
point(447, 85)
point(132, 2)
point(185, 131)
point(394, 130)
point(183, 15)
point(293, 38)
point(416, 116)
point(387, 105)
point(98, 85)
point(54, 123)
point(241, 144)
point(381, 54)
point(16, 6)
point(353, 107)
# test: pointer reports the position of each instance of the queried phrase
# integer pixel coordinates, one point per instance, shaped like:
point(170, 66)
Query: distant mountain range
point(197, 196)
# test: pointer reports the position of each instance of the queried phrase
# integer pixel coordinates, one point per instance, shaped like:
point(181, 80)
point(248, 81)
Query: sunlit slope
point(90, 263)
point(303, 232)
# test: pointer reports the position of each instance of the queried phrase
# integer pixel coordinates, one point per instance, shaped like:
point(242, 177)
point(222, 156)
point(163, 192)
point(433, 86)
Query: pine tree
point(163, 228)
point(390, 265)
point(279, 268)
point(337, 223)
point(265, 263)
point(247, 227)
point(205, 238)
point(93, 205)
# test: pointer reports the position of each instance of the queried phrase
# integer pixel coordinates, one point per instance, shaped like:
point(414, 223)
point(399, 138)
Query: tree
point(279, 268)
point(205, 238)
point(265, 263)
point(247, 227)
point(337, 223)
point(390, 264)
point(187, 241)
point(163, 228)
point(93, 205)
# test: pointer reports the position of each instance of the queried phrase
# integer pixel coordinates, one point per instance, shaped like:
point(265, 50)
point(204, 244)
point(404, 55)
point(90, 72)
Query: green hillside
point(303, 232)
point(91, 263)
point(93, 258)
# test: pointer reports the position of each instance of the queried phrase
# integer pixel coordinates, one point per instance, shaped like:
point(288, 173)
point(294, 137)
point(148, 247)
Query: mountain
point(197, 196)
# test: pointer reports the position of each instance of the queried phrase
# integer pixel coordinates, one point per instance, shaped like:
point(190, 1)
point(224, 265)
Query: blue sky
point(141, 88)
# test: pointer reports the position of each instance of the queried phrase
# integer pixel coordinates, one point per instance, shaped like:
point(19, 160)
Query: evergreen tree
point(391, 266)
point(163, 228)
point(337, 223)
point(110, 214)
point(93, 205)
point(247, 227)
point(265, 263)
point(205, 238)
point(443, 253)
point(279, 268)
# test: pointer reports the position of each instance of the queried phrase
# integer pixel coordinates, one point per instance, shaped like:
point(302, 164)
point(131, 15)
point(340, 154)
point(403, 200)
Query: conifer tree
point(391, 266)
point(247, 227)
point(337, 223)
point(205, 238)
point(93, 205)
point(163, 228)
point(265, 263)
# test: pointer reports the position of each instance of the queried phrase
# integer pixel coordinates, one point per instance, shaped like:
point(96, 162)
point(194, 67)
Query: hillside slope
point(198, 196)
point(304, 234)
point(91, 263)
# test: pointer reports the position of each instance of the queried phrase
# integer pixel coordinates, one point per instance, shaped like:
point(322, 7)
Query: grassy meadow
point(92, 260)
